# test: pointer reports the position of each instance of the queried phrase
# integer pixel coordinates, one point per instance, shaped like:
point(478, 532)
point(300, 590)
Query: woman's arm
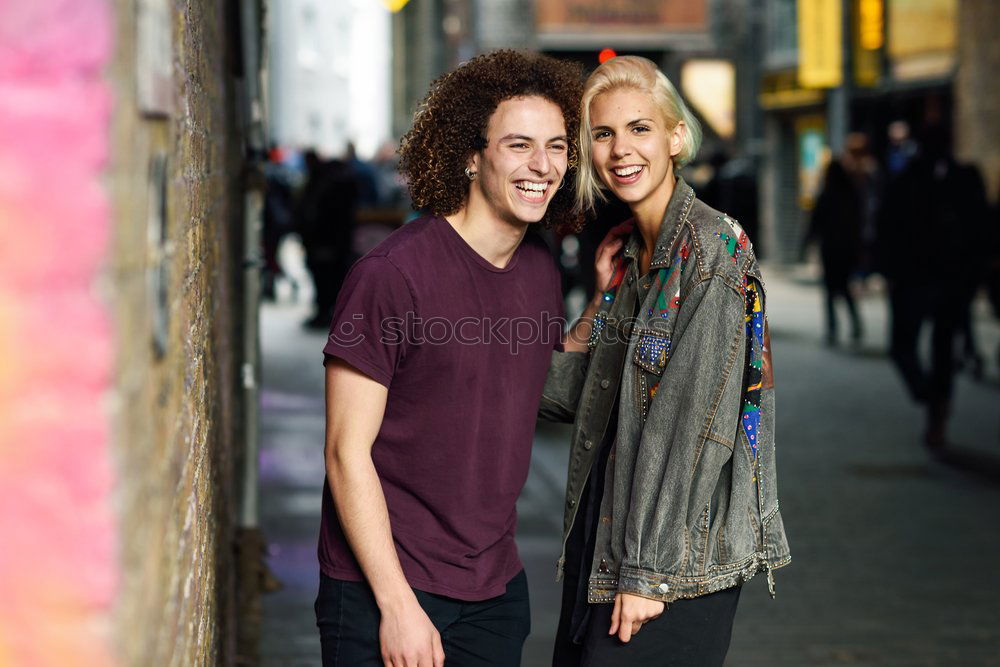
point(568, 368)
point(578, 336)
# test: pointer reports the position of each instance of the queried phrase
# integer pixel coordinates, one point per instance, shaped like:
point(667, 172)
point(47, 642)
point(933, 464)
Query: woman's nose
point(620, 147)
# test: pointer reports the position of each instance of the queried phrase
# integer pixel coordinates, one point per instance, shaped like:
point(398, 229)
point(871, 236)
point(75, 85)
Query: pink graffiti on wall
point(58, 559)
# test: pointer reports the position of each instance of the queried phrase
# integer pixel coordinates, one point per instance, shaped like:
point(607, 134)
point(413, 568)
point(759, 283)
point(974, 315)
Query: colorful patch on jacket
point(668, 284)
point(736, 243)
point(750, 417)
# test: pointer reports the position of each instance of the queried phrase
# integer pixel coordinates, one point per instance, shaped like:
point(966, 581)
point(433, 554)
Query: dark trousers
point(912, 306)
point(837, 286)
point(689, 633)
point(489, 633)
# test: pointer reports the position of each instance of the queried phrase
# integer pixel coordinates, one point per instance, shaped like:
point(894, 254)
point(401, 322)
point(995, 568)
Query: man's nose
point(540, 163)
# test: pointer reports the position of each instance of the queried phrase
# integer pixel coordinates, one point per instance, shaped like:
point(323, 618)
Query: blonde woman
point(671, 503)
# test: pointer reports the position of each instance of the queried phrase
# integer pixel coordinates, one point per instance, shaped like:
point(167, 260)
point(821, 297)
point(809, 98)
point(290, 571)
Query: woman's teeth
point(627, 171)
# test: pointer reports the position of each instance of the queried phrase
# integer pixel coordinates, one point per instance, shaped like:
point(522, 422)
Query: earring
point(562, 183)
point(471, 175)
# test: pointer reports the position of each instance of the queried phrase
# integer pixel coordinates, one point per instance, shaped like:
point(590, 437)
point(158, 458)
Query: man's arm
point(355, 405)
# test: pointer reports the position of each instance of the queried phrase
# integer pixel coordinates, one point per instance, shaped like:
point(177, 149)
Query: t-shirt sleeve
point(368, 321)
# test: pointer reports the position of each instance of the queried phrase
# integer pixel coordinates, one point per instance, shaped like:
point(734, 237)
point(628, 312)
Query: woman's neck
point(649, 218)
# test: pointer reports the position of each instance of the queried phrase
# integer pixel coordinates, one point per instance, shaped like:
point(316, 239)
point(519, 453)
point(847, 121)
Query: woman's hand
point(631, 611)
point(604, 265)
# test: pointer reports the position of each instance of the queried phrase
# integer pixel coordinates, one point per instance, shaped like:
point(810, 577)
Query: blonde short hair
point(639, 74)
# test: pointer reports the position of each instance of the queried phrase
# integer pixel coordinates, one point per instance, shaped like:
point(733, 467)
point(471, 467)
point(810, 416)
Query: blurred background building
point(328, 75)
point(778, 83)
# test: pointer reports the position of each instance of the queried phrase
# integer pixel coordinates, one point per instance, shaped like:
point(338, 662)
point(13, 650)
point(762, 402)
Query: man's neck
point(494, 239)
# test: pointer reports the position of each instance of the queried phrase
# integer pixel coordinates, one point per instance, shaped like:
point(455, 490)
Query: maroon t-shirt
point(464, 348)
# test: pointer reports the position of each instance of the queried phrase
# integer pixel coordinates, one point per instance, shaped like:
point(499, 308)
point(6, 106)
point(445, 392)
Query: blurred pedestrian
point(366, 177)
point(933, 262)
point(901, 149)
point(326, 220)
point(993, 268)
point(391, 185)
point(435, 363)
point(671, 397)
point(842, 220)
point(278, 219)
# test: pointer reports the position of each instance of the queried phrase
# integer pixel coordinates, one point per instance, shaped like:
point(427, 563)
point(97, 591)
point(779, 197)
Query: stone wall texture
point(977, 93)
point(174, 268)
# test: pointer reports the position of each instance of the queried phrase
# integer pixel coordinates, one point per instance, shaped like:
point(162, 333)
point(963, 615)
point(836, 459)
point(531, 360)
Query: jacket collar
point(673, 218)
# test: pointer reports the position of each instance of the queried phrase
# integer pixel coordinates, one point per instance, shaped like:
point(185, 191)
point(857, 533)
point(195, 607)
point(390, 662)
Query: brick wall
point(977, 93)
point(175, 415)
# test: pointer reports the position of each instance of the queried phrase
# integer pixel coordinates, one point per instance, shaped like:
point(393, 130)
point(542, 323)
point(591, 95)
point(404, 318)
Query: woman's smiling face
point(632, 148)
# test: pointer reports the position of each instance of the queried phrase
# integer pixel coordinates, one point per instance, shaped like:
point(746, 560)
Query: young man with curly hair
point(437, 355)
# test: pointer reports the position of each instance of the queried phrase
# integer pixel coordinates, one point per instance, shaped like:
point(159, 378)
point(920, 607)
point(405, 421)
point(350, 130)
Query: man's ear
point(677, 138)
point(473, 163)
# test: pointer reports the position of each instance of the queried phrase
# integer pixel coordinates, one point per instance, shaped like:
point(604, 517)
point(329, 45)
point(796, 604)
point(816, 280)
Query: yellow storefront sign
point(820, 43)
point(868, 40)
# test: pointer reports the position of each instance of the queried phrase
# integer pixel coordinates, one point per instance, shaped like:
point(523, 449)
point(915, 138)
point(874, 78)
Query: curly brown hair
point(450, 125)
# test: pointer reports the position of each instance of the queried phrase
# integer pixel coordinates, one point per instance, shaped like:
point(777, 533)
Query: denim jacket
point(690, 502)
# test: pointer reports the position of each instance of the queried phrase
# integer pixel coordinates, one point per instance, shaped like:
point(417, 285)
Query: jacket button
point(571, 502)
point(589, 444)
point(605, 383)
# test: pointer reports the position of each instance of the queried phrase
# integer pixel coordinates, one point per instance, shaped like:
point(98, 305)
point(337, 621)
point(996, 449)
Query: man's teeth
point(532, 187)
point(627, 171)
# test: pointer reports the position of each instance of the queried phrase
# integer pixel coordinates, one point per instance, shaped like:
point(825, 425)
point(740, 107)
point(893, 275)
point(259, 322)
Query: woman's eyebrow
point(629, 124)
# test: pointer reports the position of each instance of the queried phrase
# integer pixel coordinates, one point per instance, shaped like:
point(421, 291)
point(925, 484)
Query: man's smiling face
point(524, 161)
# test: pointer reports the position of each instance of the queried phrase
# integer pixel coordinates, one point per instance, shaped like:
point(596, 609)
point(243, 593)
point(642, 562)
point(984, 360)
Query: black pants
point(912, 306)
point(488, 633)
point(689, 633)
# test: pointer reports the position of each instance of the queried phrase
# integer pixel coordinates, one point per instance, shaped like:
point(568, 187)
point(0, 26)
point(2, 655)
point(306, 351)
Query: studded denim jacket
point(690, 501)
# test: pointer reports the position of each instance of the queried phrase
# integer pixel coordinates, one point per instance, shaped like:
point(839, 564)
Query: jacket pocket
point(652, 351)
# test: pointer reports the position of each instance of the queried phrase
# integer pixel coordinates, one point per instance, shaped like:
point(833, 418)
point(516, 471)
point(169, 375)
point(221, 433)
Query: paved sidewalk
point(894, 556)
